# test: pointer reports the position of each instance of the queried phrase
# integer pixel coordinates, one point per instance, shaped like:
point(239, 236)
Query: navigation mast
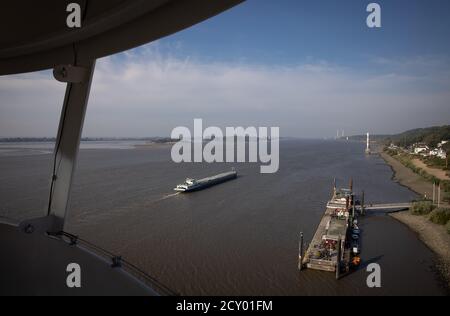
point(368, 145)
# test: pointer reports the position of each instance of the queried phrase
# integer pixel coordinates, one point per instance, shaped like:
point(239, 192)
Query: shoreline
point(153, 145)
point(407, 178)
point(434, 236)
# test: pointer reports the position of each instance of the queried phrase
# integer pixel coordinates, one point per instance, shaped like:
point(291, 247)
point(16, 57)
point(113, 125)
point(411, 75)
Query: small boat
point(356, 231)
point(355, 247)
point(355, 237)
point(356, 261)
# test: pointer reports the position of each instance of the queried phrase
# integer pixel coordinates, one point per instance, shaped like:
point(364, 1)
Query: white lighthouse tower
point(368, 145)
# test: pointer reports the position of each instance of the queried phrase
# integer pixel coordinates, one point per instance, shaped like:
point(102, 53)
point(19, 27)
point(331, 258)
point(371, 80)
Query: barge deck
point(330, 248)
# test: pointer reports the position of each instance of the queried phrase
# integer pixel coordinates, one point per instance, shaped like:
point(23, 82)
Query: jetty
point(389, 207)
point(334, 246)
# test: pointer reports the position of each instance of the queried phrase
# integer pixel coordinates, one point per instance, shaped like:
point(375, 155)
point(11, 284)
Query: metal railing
point(117, 262)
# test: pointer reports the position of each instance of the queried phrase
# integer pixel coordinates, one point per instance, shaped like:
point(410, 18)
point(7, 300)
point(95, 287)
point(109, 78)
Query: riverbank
point(435, 172)
point(433, 235)
point(408, 178)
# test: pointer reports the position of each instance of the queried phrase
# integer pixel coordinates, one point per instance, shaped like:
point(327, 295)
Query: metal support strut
point(78, 80)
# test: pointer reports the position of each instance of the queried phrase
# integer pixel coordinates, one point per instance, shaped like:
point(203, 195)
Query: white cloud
point(30, 105)
point(146, 93)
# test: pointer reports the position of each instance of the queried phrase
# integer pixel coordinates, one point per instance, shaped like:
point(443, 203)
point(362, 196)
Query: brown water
point(237, 238)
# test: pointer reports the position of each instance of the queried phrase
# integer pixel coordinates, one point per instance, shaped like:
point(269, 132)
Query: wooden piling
point(362, 203)
point(300, 253)
point(338, 260)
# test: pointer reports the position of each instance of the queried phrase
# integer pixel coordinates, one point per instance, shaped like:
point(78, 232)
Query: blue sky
point(292, 31)
point(308, 67)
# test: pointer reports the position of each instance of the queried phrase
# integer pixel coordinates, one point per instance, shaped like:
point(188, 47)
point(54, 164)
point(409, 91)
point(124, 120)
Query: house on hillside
point(421, 149)
point(441, 144)
point(438, 152)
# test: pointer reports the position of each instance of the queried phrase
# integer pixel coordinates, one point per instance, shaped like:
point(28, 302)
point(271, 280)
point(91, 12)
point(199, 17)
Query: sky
point(308, 67)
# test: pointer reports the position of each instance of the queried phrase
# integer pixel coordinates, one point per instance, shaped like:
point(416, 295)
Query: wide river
point(237, 238)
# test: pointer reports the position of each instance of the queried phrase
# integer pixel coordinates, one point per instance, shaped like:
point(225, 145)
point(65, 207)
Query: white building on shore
point(421, 149)
point(438, 152)
point(424, 150)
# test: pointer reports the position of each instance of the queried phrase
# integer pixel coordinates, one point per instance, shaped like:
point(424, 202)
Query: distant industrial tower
point(340, 134)
point(368, 145)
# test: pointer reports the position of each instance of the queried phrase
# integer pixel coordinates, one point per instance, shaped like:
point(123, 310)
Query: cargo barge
point(191, 185)
point(335, 244)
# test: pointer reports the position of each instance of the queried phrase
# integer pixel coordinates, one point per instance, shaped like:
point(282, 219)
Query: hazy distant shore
point(154, 144)
point(433, 235)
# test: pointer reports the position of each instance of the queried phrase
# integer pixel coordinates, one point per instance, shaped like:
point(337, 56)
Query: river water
point(237, 238)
